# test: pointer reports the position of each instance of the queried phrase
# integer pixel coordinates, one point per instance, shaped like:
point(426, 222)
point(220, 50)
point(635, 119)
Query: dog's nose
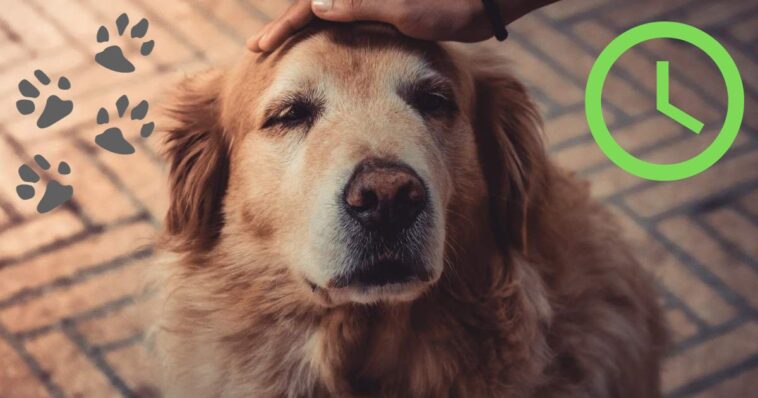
point(385, 195)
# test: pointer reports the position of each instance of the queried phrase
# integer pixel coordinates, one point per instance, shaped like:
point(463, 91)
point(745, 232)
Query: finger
point(355, 10)
point(295, 18)
point(253, 42)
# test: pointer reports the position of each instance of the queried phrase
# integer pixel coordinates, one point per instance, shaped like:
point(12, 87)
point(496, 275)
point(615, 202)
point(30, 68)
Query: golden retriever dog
point(360, 214)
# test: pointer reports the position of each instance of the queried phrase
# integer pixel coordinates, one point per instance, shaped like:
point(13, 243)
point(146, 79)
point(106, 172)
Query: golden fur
point(538, 297)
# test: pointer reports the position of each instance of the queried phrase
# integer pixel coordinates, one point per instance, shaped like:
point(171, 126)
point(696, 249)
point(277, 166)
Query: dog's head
point(349, 157)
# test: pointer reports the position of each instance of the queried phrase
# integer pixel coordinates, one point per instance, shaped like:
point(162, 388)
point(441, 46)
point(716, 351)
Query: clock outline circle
point(665, 171)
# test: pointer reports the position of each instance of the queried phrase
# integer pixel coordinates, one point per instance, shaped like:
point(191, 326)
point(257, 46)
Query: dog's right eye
point(297, 113)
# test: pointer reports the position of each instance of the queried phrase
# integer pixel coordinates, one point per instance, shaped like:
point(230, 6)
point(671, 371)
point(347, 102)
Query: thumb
point(352, 10)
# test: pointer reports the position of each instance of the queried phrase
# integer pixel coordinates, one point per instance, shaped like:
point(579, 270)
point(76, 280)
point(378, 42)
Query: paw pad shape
point(112, 139)
point(112, 57)
point(55, 193)
point(55, 107)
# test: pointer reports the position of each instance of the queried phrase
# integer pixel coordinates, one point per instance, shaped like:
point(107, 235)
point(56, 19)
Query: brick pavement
point(68, 278)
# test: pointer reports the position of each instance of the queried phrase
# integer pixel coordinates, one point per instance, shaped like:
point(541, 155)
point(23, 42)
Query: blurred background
point(68, 277)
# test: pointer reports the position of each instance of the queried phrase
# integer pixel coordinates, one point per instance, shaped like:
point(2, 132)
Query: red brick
point(73, 19)
point(610, 181)
point(567, 9)
point(9, 179)
point(196, 27)
point(664, 196)
point(742, 385)
point(626, 97)
point(745, 31)
point(746, 64)
point(723, 264)
point(69, 368)
point(120, 325)
point(42, 36)
point(168, 49)
point(750, 118)
point(4, 217)
point(13, 52)
point(232, 15)
point(15, 377)
point(721, 12)
point(553, 42)
point(86, 295)
point(710, 356)
point(137, 367)
point(634, 137)
point(679, 325)
point(674, 275)
point(148, 183)
point(737, 230)
point(95, 250)
point(750, 202)
point(646, 10)
point(569, 126)
point(579, 157)
point(595, 34)
point(37, 232)
point(538, 74)
point(271, 8)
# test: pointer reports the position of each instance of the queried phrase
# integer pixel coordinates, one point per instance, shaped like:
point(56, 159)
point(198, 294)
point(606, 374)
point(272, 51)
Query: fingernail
point(252, 43)
point(323, 5)
point(261, 41)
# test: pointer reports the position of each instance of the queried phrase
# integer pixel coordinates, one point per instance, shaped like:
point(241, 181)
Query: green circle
point(732, 121)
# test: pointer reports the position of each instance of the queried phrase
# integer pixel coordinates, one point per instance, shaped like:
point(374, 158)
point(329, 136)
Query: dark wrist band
point(496, 18)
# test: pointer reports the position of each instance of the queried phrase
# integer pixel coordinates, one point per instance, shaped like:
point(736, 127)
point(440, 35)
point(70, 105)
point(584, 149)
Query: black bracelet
point(496, 18)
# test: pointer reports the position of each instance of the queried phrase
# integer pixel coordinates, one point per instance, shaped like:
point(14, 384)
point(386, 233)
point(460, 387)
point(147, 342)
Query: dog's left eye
point(431, 103)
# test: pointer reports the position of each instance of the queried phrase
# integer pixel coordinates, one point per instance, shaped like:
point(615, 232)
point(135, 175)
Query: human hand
point(438, 20)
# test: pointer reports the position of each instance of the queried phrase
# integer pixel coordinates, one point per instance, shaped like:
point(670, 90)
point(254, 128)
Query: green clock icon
point(732, 120)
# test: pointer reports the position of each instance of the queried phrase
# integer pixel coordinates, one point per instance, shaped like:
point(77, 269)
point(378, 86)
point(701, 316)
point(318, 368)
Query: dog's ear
point(513, 158)
point(198, 155)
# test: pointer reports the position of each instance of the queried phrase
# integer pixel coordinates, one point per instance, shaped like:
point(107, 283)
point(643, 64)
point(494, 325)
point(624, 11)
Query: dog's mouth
point(386, 279)
point(383, 272)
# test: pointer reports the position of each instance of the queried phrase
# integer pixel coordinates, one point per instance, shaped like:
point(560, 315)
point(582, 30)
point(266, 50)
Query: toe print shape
point(55, 108)
point(112, 57)
point(55, 193)
point(112, 139)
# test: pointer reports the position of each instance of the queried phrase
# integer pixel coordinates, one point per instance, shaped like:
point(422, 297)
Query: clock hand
point(664, 105)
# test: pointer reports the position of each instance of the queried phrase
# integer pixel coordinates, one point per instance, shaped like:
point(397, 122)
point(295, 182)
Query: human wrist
point(492, 12)
point(512, 10)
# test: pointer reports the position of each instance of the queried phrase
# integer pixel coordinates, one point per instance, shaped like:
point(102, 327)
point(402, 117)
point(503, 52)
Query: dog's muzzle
point(386, 217)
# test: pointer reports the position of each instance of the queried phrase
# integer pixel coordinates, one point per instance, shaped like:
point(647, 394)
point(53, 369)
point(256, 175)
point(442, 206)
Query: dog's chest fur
point(411, 350)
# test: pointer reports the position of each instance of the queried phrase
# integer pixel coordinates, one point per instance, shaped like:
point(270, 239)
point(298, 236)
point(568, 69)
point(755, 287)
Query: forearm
point(515, 9)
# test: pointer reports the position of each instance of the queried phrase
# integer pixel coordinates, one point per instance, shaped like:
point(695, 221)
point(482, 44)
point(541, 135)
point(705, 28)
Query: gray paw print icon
point(55, 108)
point(112, 139)
point(55, 193)
point(112, 57)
